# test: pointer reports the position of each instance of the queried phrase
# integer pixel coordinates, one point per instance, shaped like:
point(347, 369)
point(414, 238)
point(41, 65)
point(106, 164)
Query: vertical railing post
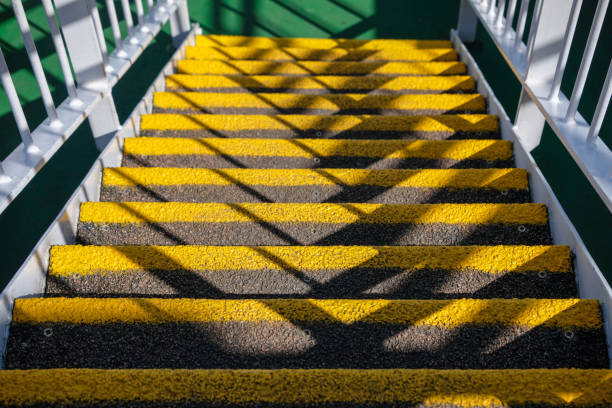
point(468, 22)
point(546, 44)
point(180, 24)
point(88, 63)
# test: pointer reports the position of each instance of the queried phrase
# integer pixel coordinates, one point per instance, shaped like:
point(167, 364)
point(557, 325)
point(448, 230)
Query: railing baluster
point(567, 43)
point(500, 13)
point(510, 16)
point(3, 177)
point(139, 12)
point(492, 7)
point(150, 5)
point(534, 24)
point(37, 68)
point(60, 49)
point(13, 98)
point(587, 58)
point(127, 15)
point(522, 21)
point(93, 9)
point(602, 107)
point(114, 22)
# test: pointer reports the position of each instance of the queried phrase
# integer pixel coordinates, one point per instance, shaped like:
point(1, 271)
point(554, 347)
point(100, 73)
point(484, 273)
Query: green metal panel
point(31, 213)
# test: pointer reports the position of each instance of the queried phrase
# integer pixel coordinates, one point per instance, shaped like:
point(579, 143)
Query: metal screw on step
point(521, 228)
point(319, 133)
point(307, 332)
point(314, 231)
point(504, 192)
point(542, 274)
point(317, 160)
point(48, 332)
point(306, 278)
point(568, 334)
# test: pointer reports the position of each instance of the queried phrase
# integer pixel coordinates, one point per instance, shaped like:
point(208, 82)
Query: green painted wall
point(31, 213)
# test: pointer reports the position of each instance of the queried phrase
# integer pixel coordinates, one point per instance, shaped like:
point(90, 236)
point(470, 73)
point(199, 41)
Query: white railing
point(539, 65)
point(95, 73)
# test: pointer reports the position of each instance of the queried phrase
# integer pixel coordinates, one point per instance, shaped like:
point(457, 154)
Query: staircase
point(312, 222)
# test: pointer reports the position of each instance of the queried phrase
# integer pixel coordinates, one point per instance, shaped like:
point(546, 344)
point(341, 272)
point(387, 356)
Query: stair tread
point(500, 179)
point(327, 83)
point(436, 388)
point(312, 271)
point(79, 259)
point(319, 54)
point(201, 125)
point(251, 67)
point(143, 212)
point(346, 103)
point(562, 313)
point(311, 148)
point(272, 42)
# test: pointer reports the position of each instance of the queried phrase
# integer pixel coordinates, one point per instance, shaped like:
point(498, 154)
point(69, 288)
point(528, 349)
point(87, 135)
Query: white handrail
point(83, 49)
point(546, 52)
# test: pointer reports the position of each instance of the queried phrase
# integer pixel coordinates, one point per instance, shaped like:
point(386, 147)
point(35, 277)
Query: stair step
point(140, 223)
point(306, 153)
point(476, 126)
point(320, 271)
point(276, 388)
point(248, 67)
point(314, 185)
point(322, 84)
point(320, 54)
point(272, 103)
point(305, 333)
point(215, 40)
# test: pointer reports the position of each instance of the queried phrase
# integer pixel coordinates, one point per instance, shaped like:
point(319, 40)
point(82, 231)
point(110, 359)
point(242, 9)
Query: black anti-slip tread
point(362, 283)
point(310, 194)
point(275, 162)
point(299, 345)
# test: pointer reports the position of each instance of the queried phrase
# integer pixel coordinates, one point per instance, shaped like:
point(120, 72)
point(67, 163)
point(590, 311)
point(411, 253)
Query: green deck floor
point(35, 208)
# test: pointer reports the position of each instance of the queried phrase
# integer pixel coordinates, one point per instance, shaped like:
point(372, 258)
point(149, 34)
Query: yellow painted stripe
point(329, 54)
point(335, 123)
point(309, 148)
point(462, 388)
point(68, 260)
point(583, 313)
point(320, 68)
point(415, 83)
point(500, 179)
point(332, 102)
point(148, 212)
point(270, 42)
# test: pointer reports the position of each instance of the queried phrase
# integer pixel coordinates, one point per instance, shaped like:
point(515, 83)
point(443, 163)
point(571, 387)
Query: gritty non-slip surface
point(297, 133)
point(275, 162)
point(274, 233)
point(310, 194)
point(334, 388)
point(301, 345)
point(355, 282)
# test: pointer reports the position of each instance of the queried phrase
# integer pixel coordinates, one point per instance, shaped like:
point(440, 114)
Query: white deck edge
point(591, 282)
point(29, 281)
